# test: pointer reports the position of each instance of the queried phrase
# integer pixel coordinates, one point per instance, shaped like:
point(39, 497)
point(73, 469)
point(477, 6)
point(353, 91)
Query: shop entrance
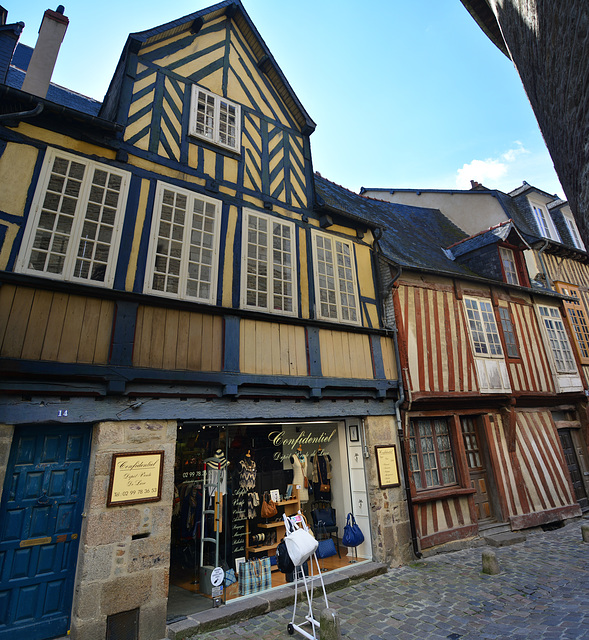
point(224, 474)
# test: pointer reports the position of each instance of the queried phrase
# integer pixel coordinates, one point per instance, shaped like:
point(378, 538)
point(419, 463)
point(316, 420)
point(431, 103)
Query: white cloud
point(492, 171)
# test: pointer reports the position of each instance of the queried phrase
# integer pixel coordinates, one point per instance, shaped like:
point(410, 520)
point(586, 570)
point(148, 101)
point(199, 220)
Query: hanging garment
point(247, 474)
point(299, 467)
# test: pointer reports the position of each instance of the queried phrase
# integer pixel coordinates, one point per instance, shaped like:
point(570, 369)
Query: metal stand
point(307, 582)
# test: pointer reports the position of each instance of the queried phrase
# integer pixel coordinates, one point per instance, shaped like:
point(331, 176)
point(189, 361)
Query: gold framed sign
point(388, 466)
point(135, 477)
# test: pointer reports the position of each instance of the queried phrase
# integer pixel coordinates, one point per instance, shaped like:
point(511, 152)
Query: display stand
point(307, 582)
point(289, 507)
point(212, 481)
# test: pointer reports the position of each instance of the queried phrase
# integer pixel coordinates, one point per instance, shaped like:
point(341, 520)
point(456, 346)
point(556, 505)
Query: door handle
point(43, 500)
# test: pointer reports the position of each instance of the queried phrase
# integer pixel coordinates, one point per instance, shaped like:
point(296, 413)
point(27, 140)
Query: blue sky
point(405, 93)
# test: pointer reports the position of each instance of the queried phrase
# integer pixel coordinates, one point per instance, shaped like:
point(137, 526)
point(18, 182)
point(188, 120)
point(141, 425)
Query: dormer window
point(215, 119)
point(544, 222)
point(509, 265)
point(573, 231)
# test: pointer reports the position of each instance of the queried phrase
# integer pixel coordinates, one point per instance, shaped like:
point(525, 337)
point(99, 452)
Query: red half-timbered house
point(487, 363)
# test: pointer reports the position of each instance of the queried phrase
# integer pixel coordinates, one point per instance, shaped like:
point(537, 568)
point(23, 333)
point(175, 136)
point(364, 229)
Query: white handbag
point(300, 544)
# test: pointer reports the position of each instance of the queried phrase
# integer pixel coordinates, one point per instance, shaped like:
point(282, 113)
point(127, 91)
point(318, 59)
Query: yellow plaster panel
point(210, 161)
point(365, 274)
point(228, 274)
point(17, 164)
point(229, 192)
point(303, 274)
point(64, 142)
point(230, 169)
point(148, 48)
point(140, 84)
point(137, 106)
point(266, 102)
point(174, 147)
point(139, 222)
point(163, 171)
point(173, 93)
point(193, 156)
point(11, 231)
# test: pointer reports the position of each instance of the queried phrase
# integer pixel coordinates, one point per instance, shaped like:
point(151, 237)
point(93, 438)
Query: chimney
point(42, 63)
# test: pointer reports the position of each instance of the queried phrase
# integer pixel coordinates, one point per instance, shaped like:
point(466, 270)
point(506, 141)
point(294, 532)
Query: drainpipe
point(401, 436)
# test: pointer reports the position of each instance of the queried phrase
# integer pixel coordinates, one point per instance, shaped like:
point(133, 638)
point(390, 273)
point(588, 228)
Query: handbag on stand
point(353, 536)
point(254, 576)
point(268, 509)
point(300, 543)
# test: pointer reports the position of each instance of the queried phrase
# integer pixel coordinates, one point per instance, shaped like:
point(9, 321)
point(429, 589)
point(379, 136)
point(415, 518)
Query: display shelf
point(288, 507)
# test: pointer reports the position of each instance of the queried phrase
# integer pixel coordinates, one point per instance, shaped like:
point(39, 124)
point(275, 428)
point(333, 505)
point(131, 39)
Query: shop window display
point(293, 464)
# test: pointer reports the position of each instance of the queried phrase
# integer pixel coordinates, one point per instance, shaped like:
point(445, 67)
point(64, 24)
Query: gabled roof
point(506, 231)
point(193, 22)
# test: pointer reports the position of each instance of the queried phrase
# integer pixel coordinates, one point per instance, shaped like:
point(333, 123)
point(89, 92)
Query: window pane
point(430, 453)
point(508, 261)
point(508, 333)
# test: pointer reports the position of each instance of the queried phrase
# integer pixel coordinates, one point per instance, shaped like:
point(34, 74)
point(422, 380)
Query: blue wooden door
point(40, 519)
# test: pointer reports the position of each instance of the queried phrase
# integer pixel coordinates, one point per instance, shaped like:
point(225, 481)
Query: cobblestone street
point(542, 593)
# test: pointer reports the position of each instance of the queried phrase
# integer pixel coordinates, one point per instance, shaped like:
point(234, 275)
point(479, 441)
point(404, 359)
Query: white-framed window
point(544, 222)
point(483, 328)
point(558, 339)
point(335, 279)
point(74, 229)
point(574, 231)
point(268, 273)
point(509, 266)
point(184, 245)
point(215, 119)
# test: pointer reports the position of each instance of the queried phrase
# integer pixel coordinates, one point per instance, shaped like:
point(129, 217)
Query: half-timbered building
point(488, 370)
point(555, 258)
point(184, 326)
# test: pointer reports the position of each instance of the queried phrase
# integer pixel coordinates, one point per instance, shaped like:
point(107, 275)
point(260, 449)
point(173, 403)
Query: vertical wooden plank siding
point(345, 355)
point(505, 476)
point(387, 346)
point(41, 325)
point(433, 341)
point(178, 340)
point(271, 348)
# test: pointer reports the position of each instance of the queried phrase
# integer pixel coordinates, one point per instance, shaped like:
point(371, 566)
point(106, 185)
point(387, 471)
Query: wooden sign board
point(388, 466)
point(135, 477)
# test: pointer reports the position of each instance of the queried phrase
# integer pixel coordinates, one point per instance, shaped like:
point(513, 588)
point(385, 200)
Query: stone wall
point(124, 559)
point(388, 507)
point(548, 42)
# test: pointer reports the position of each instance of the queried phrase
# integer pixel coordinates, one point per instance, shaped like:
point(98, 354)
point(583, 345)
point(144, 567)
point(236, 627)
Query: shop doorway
point(40, 518)
point(570, 455)
point(286, 463)
point(479, 470)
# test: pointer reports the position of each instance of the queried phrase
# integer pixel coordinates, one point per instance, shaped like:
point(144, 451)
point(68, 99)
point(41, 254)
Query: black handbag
point(283, 560)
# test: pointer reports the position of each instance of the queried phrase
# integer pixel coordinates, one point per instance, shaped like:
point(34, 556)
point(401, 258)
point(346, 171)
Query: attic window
point(574, 232)
point(215, 119)
point(509, 265)
point(544, 222)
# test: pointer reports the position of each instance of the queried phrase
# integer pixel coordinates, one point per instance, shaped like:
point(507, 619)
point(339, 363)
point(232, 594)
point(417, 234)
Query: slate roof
point(498, 233)
point(413, 237)
point(57, 94)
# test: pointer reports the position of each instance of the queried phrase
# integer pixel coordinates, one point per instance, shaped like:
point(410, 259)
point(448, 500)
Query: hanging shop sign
point(388, 467)
point(135, 477)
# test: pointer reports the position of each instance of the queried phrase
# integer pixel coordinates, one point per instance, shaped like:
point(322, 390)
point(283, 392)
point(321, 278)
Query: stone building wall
point(388, 508)
point(549, 44)
point(123, 560)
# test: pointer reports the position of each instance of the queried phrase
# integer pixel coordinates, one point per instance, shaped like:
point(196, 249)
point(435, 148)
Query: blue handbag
point(324, 516)
point(352, 535)
point(326, 547)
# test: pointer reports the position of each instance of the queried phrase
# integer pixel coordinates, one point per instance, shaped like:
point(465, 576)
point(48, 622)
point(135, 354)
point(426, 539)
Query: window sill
point(427, 495)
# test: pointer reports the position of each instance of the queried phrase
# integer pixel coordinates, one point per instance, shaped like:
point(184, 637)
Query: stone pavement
point(542, 593)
